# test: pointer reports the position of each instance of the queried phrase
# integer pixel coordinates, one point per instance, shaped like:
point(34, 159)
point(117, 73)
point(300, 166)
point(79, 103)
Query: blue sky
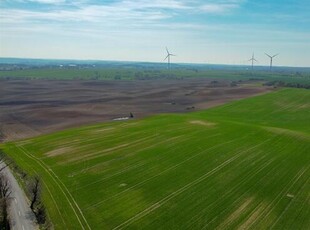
point(197, 31)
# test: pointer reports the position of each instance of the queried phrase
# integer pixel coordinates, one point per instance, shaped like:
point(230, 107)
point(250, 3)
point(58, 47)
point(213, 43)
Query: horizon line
point(155, 62)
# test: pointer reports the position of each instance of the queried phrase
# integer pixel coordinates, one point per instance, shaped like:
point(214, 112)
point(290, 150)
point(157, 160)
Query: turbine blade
point(166, 57)
point(167, 51)
point(268, 55)
point(275, 55)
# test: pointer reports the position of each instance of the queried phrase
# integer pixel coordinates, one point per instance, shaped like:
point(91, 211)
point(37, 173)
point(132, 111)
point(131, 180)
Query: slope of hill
point(242, 165)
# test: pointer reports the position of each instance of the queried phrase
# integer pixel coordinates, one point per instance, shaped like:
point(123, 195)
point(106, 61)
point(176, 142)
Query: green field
point(242, 165)
point(291, 79)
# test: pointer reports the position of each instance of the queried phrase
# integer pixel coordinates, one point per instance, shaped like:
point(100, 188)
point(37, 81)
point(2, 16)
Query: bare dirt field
point(33, 107)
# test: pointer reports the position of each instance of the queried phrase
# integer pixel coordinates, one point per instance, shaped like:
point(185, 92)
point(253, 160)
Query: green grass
point(242, 165)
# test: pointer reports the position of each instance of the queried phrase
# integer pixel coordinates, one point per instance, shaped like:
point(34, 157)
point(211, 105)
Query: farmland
point(156, 71)
point(30, 108)
point(245, 164)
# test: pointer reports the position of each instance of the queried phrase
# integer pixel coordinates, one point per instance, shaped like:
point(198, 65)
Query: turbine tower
point(271, 58)
point(168, 56)
point(252, 59)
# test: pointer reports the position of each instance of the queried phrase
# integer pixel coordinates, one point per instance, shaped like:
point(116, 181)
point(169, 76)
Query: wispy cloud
point(142, 10)
point(221, 6)
point(129, 27)
point(218, 8)
point(52, 2)
point(47, 1)
point(87, 14)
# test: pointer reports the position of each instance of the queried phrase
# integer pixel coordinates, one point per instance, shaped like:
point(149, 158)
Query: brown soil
point(204, 123)
point(32, 107)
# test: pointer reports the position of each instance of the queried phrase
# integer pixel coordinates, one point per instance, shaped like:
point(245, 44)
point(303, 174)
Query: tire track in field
point(164, 200)
point(247, 178)
point(54, 201)
point(259, 211)
point(230, 192)
point(292, 105)
point(273, 139)
point(127, 148)
point(57, 181)
point(35, 172)
point(244, 192)
point(279, 197)
point(82, 146)
point(89, 143)
point(151, 134)
point(108, 151)
point(128, 168)
point(306, 203)
point(233, 189)
point(288, 206)
point(162, 172)
point(139, 165)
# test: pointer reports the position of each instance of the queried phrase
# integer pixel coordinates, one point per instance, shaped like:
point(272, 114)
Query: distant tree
point(4, 187)
point(41, 214)
point(214, 83)
point(34, 190)
point(36, 205)
point(131, 115)
point(2, 160)
point(138, 75)
point(1, 135)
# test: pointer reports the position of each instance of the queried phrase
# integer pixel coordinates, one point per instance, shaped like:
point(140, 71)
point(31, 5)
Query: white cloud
point(102, 14)
point(160, 4)
point(221, 6)
point(218, 8)
point(142, 11)
point(54, 2)
point(48, 1)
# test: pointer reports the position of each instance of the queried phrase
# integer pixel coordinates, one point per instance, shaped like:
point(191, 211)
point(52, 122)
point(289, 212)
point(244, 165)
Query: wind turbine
point(252, 59)
point(271, 57)
point(168, 56)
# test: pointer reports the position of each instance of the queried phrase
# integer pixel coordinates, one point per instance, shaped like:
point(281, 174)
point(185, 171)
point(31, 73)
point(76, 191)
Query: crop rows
point(242, 165)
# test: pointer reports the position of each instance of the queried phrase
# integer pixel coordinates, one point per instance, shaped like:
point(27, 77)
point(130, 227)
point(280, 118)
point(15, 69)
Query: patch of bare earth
point(59, 151)
point(253, 217)
point(98, 131)
point(288, 132)
point(32, 107)
point(203, 123)
point(235, 215)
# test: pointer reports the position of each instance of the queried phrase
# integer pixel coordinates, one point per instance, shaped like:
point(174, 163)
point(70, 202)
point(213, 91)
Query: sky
point(196, 31)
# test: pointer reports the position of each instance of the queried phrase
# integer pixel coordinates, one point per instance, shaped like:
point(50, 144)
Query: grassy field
point(242, 165)
point(138, 73)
